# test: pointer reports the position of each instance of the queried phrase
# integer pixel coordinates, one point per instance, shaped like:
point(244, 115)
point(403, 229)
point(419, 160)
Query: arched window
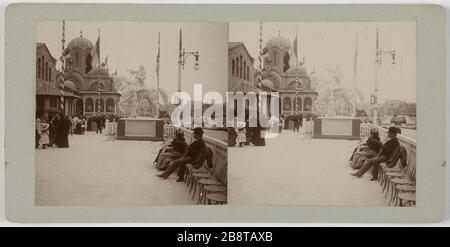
point(89, 105)
point(275, 58)
point(43, 68)
point(248, 71)
point(286, 62)
point(308, 104)
point(99, 107)
point(232, 67)
point(77, 59)
point(287, 104)
point(240, 67)
point(110, 105)
point(46, 71)
point(237, 67)
point(245, 72)
point(88, 62)
point(39, 68)
point(50, 75)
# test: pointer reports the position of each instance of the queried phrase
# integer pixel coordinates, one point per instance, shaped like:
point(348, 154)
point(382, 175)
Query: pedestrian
point(281, 124)
point(37, 133)
point(62, 140)
point(44, 140)
point(296, 120)
point(241, 134)
point(71, 125)
point(98, 123)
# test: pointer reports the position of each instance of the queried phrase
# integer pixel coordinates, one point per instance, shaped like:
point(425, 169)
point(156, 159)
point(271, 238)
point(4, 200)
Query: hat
point(179, 133)
point(198, 130)
point(394, 130)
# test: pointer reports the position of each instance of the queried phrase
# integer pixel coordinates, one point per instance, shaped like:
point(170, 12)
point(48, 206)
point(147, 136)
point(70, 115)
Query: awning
point(47, 90)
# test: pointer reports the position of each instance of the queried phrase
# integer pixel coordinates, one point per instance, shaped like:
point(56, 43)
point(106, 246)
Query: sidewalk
point(294, 169)
point(97, 170)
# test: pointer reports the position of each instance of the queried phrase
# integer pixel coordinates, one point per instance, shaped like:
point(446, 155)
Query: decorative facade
point(48, 95)
point(86, 79)
point(293, 83)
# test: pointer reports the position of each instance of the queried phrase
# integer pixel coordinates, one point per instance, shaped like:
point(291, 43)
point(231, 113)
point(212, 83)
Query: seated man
point(174, 150)
point(386, 152)
point(193, 151)
point(367, 150)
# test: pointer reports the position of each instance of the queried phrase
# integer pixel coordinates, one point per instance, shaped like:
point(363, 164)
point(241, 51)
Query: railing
point(407, 142)
point(308, 127)
point(219, 149)
point(169, 131)
point(111, 128)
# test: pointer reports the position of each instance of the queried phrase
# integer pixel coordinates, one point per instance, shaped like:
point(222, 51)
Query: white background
point(3, 4)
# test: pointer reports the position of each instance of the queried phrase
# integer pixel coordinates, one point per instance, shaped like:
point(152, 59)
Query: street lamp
point(379, 53)
point(182, 57)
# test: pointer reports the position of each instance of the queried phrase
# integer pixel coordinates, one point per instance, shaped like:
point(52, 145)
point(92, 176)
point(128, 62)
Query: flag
point(295, 46)
point(95, 53)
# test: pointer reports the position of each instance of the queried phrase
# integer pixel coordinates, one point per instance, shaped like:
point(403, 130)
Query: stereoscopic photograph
point(335, 110)
point(105, 97)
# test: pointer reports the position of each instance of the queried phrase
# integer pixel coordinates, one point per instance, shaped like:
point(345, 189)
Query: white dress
point(44, 134)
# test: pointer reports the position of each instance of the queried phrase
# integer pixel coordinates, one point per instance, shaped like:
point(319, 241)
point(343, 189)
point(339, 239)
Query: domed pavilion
point(89, 80)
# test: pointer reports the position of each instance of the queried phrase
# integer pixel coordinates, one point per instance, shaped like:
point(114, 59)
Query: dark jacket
point(389, 147)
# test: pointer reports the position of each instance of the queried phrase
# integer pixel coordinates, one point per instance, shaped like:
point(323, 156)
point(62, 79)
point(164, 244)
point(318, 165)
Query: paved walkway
point(294, 169)
point(97, 170)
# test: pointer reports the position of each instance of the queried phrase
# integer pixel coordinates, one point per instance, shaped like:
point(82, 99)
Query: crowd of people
point(176, 154)
point(241, 134)
point(56, 130)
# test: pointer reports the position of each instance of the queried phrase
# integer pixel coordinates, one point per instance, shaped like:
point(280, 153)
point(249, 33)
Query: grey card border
point(20, 53)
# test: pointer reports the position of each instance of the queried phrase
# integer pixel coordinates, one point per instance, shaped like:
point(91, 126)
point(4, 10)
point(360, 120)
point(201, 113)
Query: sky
point(130, 44)
point(326, 45)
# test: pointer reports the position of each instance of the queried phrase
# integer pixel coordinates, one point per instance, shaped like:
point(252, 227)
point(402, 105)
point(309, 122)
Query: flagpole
point(157, 74)
point(157, 64)
point(355, 75)
point(61, 84)
point(98, 94)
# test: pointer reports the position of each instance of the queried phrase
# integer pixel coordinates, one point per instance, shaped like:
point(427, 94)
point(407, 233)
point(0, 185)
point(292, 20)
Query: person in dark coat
point(62, 133)
point(37, 134)
point(257, 138)
point(296, 123)
point(386, 151)
point(194, 150)
point(99, 122)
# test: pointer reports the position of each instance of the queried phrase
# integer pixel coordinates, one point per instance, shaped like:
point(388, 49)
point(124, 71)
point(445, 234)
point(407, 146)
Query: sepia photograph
point(340, 119)
point(105, 94)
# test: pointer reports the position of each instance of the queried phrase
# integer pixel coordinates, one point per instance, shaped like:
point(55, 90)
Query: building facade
point(293, 83)
point(48, 95)
point(86, 79)
point(241, 71)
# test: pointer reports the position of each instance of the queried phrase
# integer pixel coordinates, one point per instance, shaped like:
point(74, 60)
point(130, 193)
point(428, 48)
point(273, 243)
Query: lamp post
point(379, 53)
point(182, 56)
